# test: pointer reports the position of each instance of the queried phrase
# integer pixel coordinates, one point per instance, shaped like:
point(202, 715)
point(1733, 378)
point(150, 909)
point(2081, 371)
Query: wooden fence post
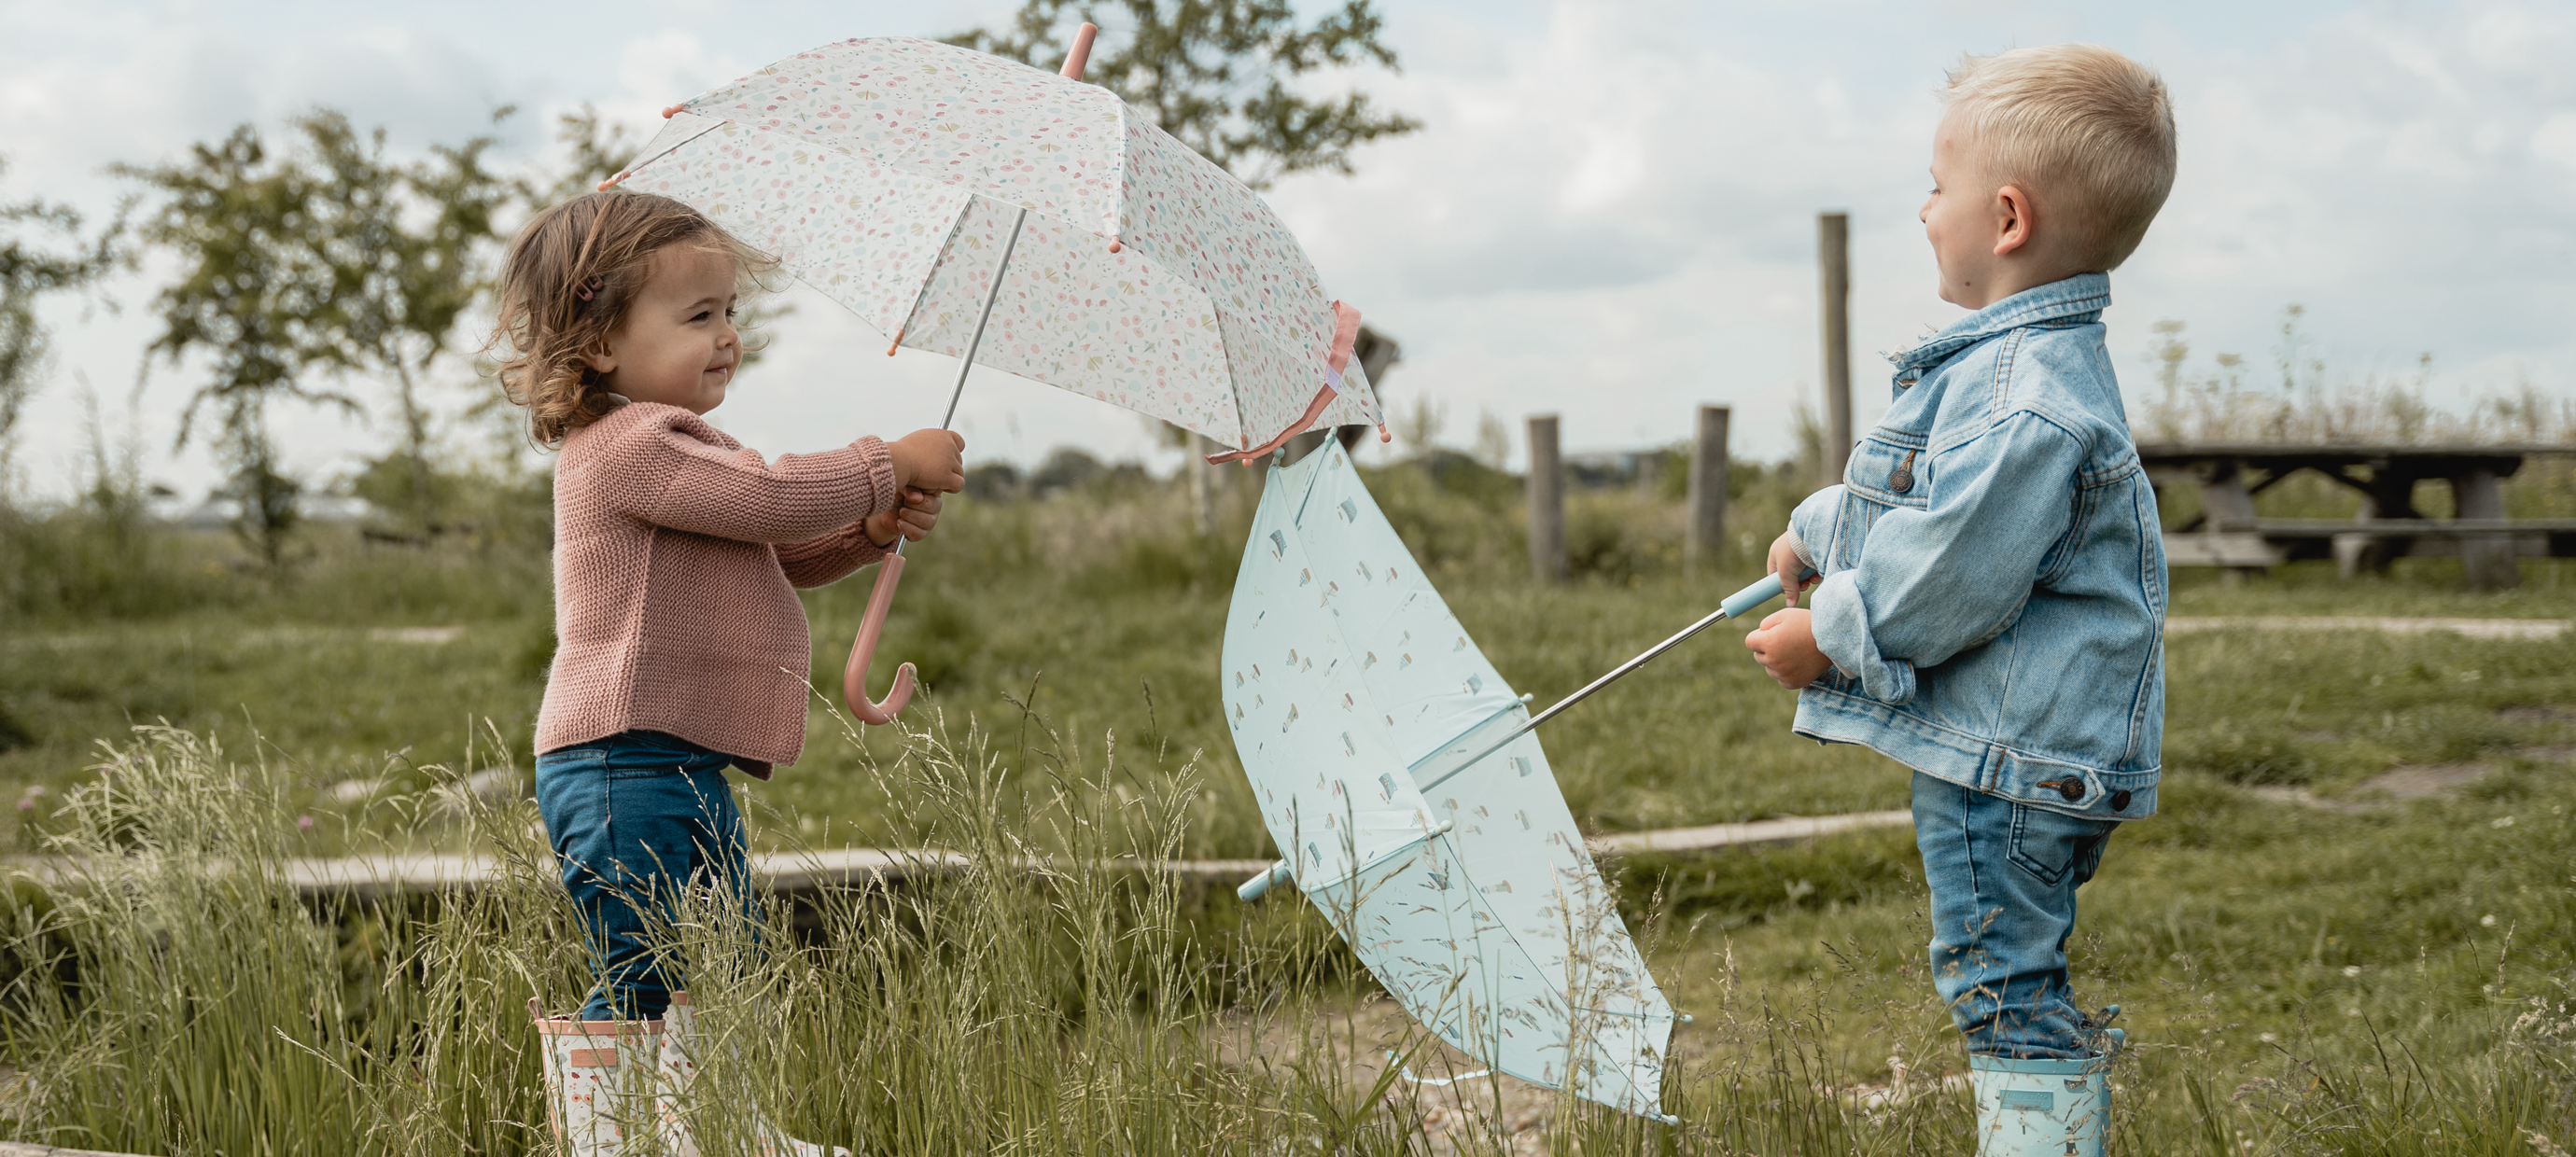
point(1546, 502)
point(1707, 542)
point(1833, 254)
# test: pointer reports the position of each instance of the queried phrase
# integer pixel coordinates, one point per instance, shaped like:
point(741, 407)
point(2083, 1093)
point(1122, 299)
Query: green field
point(2349, 975)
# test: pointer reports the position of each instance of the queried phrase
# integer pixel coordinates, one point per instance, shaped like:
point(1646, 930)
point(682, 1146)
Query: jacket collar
point(2079, 298)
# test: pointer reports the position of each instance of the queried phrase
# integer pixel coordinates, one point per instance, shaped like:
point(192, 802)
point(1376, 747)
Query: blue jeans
point(2003, 877)
point(635, 819)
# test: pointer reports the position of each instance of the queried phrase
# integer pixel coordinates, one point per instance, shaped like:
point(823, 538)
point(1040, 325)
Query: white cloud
point(1610, 215)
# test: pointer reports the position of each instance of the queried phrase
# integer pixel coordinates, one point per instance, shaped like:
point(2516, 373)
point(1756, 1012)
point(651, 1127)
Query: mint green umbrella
point(1395, 770)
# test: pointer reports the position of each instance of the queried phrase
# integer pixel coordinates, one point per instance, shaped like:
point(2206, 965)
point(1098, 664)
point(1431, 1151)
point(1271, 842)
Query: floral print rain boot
point(678, 1071)
point(599, 1080)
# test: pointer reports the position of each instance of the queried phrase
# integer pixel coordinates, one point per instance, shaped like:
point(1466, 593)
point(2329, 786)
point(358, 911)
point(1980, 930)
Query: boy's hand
point(931, 461)
point(1785, 645)
point(913, 519)
point(1784, 562)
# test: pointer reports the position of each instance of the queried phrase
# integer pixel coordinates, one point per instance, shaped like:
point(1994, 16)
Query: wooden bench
point(2229, 534)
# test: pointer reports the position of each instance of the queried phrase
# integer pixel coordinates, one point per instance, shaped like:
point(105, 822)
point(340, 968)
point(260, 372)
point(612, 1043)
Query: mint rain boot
point(599, 1080)
point(2041, 1108)
point(678, 1072)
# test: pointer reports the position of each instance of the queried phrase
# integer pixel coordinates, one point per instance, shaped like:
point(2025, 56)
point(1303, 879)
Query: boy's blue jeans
point(2003, 877)
point(636, 818)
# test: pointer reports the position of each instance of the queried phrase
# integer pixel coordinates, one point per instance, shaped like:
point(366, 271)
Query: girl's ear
point(601, 358)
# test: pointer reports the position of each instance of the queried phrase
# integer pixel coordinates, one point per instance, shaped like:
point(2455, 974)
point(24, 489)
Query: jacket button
point(2120, 800)
point(2070, 788)
point(1901, 479)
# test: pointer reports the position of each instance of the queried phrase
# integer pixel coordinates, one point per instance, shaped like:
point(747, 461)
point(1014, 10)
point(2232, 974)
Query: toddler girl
point(682, 648)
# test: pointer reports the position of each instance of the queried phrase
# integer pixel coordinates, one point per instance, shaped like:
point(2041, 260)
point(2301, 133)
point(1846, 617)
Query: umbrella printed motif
point(891, 174)
point(1347, 683)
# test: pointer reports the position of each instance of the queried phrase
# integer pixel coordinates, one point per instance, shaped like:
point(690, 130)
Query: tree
point(30, 269)
point(1216, 74)
point(255, 301)
point(404, 246)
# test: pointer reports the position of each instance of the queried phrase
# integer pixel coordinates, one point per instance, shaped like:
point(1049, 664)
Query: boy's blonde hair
point(565, 287)
point(2085, 131)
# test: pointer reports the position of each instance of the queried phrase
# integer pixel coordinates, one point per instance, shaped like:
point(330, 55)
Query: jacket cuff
point(1840, 622)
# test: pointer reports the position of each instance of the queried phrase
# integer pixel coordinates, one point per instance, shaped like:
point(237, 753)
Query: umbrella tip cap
point(674, 110)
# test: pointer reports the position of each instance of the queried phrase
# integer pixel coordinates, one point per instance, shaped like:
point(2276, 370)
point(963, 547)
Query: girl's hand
point(1784, 562)
point(1785, 645)
point(913, 519)
point(931, 461)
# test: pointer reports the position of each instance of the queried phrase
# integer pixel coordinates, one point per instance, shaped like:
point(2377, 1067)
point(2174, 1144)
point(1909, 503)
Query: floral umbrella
point(938, 192)
point(915, 182)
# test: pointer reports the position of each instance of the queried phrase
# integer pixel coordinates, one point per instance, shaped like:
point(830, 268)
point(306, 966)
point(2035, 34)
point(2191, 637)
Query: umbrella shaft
point(1577, 697)
point(991, 295)
point(967, 363)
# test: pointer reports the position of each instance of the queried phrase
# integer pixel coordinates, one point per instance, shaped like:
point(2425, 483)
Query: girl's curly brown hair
point(565, 287)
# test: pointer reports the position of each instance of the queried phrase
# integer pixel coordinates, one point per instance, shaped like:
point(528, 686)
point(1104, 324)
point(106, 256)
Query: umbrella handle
point(1253, 888)
point(854, 677)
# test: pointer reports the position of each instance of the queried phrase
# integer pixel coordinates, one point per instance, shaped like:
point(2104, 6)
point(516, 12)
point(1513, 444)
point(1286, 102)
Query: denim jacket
point(1994, 591)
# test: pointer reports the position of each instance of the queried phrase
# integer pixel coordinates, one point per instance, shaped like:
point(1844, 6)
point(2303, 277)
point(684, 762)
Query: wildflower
point(26, 805)
point(2352, 970)
point(2271, 1038)
point(2502, 822)
point(2487, 921)
point(304, 823)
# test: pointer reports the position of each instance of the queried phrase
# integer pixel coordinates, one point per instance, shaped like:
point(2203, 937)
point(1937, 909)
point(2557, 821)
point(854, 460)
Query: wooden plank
point(1779, 831)
point(2228, 550)
point(2540, 630)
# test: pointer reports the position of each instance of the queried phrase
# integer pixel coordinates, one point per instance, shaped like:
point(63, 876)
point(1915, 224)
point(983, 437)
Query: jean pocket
point(2053, 846)
point(651, 771)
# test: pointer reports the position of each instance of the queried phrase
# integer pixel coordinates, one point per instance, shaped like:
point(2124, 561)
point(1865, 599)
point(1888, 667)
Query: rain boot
point(599, 1080)
point(2041, 1108)
point(679, 1072)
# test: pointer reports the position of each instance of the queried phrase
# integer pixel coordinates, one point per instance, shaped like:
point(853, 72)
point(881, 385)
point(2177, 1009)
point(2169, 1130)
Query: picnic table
point(2229, 534)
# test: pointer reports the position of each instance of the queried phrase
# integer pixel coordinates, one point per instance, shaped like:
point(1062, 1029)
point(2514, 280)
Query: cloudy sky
point(1610, 213)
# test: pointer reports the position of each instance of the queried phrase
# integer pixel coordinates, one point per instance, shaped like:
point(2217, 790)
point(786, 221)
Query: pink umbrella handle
point(854, 677)
point(1081, 53)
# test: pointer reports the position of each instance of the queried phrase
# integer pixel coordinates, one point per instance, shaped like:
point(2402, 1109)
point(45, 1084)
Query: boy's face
point(677, 344)
point(1965, 219)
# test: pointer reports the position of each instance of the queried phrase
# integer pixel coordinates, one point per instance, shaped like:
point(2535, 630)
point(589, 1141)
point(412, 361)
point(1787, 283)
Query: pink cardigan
point(676, 555)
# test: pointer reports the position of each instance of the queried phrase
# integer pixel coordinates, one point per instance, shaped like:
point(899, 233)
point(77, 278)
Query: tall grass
point(167, 991)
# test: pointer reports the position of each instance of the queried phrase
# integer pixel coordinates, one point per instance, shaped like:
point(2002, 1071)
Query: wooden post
point(1707, 541)
point(1833, 254)
point(2486, 560)
point(1546, 502)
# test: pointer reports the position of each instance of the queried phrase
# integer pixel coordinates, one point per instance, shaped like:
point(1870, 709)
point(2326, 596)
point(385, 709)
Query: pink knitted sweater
point(676, 551)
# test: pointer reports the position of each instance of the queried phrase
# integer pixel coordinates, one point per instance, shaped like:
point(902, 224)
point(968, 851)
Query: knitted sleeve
point(669, 468)
point(828, 558)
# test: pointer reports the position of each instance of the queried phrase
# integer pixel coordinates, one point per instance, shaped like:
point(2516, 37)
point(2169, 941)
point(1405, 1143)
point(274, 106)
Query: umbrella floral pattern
point(889, 173)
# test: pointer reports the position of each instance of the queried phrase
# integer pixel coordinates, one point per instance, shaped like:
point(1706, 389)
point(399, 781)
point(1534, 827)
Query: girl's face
point(677, 344)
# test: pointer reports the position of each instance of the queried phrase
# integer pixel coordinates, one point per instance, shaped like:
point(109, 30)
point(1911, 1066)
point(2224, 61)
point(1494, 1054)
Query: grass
point(2382, 980)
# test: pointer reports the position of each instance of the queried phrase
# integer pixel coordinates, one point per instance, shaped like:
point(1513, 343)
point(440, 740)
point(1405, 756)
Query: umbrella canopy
point(1349, 686)
point(890, 174)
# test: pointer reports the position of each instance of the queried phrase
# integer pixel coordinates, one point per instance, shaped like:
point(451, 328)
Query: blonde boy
point(1991, 610)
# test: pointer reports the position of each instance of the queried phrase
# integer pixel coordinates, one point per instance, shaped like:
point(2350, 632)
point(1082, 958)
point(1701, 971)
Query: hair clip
point(589, 287)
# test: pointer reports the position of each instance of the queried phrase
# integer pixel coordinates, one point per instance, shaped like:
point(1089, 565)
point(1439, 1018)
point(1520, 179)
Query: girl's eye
point(729, 312)
point(703, 315)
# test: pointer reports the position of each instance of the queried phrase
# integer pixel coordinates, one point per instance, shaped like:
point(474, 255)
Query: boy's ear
point(2013, 220)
